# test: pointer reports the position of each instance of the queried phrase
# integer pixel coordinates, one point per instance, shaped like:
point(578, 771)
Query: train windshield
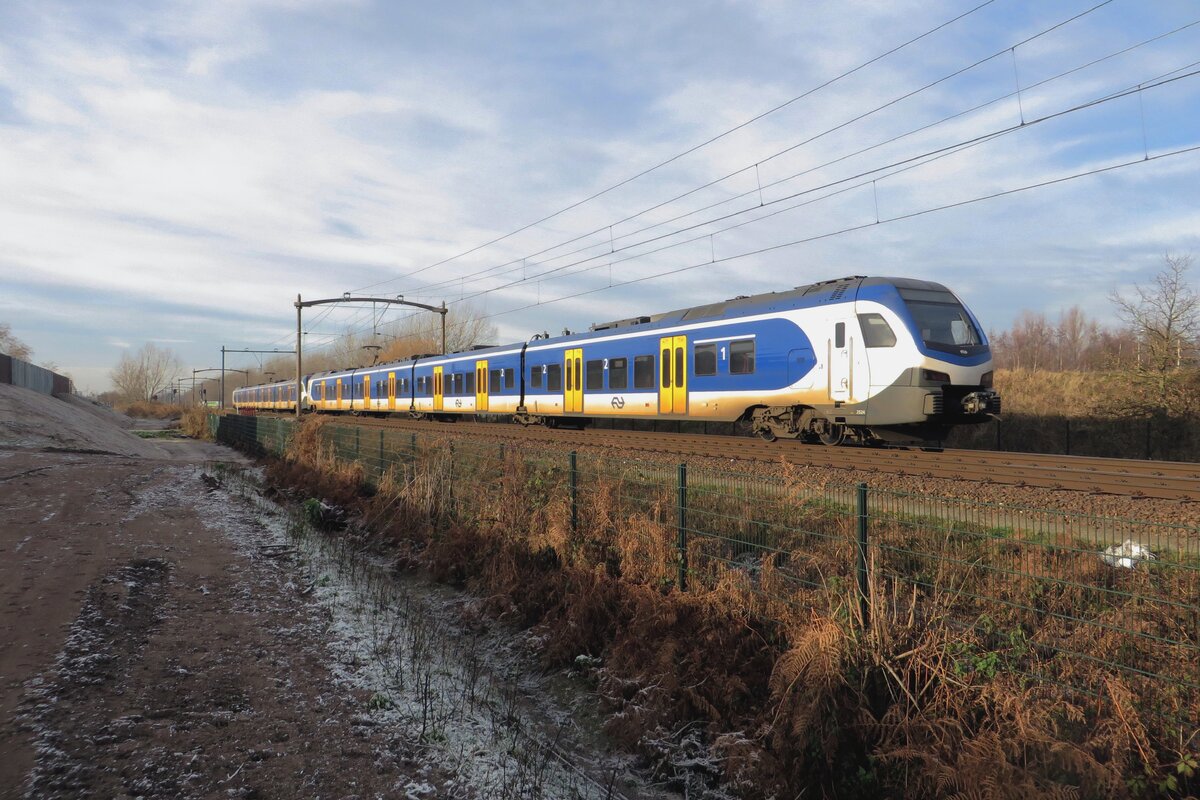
point(941, 319)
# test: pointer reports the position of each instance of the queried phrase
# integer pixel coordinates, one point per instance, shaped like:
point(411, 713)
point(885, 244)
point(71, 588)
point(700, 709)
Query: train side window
point(618, 373)
point(839, 335)
point(643, 372)
point(554, 377)
point(494, 381)
point(741, 357)
point(470, 379)
point(876, 331)
point(535, 376)
point(665, 363)
point(509, 378)
point(705, 359)
point(457, 383)
point(595, 375)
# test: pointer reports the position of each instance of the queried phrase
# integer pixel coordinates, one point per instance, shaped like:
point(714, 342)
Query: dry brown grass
point(147, 409)
point(194, 422)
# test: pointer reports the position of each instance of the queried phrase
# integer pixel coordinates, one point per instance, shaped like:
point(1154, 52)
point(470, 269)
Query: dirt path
point(143, 654)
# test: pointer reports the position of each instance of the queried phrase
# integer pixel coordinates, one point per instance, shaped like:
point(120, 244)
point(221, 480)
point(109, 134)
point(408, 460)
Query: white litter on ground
point(1127, 554)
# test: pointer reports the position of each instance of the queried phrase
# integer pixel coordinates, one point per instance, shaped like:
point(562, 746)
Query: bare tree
point(1029, 344)
point(12, 345)
point(466, 326)
point(141, 375)
point(1166, 317)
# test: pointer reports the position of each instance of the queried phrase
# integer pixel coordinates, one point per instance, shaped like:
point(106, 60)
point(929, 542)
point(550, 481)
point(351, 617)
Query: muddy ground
point(141, 655)
point(157, 640)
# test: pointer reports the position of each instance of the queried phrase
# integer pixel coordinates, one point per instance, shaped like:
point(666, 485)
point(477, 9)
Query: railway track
point(1125, 477)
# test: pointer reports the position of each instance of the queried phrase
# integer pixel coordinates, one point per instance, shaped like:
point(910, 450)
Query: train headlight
point(986, 380)
point(934, 377)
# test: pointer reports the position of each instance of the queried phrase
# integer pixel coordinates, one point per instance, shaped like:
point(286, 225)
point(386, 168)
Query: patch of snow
point(457, 697)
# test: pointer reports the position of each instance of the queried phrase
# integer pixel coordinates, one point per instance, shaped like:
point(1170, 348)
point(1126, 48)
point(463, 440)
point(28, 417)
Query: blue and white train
point(863, 359)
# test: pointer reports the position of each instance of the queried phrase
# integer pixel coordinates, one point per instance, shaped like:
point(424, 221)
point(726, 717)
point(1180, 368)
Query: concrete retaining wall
point(28, 376)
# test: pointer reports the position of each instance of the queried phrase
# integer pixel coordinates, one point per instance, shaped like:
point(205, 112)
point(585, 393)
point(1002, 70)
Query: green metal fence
point(1030, 590)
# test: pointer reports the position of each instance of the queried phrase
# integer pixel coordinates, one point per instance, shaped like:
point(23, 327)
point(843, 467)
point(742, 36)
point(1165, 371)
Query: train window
point(643, 372)
point(876, 331)
point(705, 361)
point(595, 375)
point(618, 373)
point(494, 381)
point(554, 377)
point(510, 378)
point(666, 368)
point(457, 383)
point(741, 357)
point(535, 376)
point(470, 379)
point(839, 335)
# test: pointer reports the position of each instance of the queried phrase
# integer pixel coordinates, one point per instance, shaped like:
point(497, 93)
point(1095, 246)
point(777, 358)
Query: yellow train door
point(437, 388)
point(366, 392)
point(573, 385)
point(391, 391)
point(481, 386)
point(672, 384)
point(339, 394)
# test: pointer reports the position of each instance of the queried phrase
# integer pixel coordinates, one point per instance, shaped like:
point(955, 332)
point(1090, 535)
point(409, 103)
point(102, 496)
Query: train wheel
point(832, 434)
point(766, 434)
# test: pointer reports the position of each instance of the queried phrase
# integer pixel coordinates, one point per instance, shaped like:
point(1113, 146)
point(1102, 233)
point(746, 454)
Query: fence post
point(863, 596)
point(574, 493)
point(681, 542)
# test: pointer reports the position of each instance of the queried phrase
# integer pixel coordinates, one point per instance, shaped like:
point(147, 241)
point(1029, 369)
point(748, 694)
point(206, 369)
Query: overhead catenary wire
point(701, 145)
point(907, 163)
point(491, 272)
point(773, 156)
point(854, 228)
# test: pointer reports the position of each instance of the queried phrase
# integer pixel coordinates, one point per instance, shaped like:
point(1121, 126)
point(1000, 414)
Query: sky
point(178, 172)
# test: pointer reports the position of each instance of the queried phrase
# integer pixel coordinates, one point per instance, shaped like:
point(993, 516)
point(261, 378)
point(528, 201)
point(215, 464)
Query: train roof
point(811, 294)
